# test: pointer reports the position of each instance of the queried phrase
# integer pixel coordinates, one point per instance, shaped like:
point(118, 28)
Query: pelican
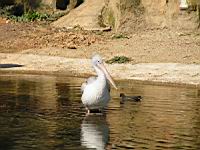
point(96, 90)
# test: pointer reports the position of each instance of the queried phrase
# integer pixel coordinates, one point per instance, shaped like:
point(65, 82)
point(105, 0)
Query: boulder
point(129, 15)
point(86, 16)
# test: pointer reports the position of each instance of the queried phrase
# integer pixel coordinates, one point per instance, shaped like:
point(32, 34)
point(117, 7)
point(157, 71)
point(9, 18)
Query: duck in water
point(124, 98)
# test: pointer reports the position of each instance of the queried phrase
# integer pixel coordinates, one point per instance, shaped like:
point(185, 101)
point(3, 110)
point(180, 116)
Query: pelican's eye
point(99, 61)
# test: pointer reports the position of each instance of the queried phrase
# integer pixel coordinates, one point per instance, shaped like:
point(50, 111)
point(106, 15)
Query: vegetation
point(9, 12)
point(30, 16)
point(36, 16)
point(119, 36)
point(118, 59)
point(16, 13)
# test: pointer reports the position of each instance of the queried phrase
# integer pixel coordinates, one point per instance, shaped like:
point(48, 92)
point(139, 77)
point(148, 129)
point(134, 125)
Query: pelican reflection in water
point(95, 132)
point(96, 90)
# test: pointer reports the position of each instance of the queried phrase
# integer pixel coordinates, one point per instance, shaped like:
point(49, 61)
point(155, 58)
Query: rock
point(129, 16)
point(86, 16)
point(71, 46)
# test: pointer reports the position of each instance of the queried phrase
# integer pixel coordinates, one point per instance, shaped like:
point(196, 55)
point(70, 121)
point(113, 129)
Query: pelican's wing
point(83, 86)
point(88, 81)
point(108, 85)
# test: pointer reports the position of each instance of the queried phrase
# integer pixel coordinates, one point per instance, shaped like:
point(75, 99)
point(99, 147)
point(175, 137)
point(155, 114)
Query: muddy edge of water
point(176, 74)
point(131, 82)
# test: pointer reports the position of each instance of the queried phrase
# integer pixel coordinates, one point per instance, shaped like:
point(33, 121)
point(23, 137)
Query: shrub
point(118, 59)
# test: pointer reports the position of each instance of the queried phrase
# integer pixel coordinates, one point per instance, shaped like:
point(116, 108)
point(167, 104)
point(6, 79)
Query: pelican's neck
point(101, 78)
point(100, 73)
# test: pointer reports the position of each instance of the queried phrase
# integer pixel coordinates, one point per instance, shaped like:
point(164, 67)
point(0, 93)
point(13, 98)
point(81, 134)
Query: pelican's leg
point(88, 111)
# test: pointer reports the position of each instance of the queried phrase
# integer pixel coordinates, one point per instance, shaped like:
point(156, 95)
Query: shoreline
point(166, 74)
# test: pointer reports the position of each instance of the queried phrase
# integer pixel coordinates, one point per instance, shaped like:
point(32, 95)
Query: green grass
point(7, 12)
point(118, 59)
point(30, 16)
point(120, 36)
point(36, 16)
point(15, 14)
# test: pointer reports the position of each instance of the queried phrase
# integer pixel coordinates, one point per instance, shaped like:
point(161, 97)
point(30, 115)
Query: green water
point(45, 112)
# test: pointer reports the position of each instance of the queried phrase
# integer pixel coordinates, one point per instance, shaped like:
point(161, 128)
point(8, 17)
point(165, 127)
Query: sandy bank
point(161, 73)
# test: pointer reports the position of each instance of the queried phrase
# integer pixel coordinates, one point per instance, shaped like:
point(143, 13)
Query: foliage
point(118, 59)
point(26, 10)
point(119, 36)
point(5, 11)
point(30, 16)
point(14, 13)
point(55, 16)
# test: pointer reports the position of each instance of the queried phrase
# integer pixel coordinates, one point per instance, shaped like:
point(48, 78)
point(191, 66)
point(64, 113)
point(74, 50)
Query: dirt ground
point(157, 56)
point(144, 46)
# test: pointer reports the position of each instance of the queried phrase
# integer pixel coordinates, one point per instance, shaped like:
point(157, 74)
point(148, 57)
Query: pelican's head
point(98, 62)
point(96, 59)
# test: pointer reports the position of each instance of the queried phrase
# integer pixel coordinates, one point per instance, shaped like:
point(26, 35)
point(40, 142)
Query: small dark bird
point(134, 98)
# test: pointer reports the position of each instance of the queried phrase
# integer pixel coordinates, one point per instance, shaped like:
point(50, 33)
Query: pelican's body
point(96, 90)
point(96, 94)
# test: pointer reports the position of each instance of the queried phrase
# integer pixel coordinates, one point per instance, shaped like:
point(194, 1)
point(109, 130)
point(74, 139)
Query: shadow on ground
point(10, 65)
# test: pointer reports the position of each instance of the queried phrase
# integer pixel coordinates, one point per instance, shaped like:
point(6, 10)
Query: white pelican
point(96, 90)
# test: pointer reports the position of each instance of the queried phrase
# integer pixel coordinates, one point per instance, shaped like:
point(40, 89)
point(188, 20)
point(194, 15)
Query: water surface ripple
point(45, 112)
